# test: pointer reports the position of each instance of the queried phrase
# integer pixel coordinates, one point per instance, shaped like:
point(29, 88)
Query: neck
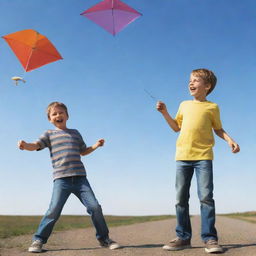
point(61, 128)
point(200, 99)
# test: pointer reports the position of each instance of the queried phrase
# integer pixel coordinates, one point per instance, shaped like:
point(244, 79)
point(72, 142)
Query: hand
point(21, 144)
point(100, 142)
point(234, 147)
point(161, 107)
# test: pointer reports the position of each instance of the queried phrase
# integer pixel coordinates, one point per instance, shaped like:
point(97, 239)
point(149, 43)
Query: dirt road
point(237, 237)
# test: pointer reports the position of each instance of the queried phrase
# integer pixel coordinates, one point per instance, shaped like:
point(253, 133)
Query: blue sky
point(102, 80)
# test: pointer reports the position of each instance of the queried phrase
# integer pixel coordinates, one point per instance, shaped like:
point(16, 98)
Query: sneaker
point(212, 246)
point(36, 246)
point(177, 244)
point(112, 245)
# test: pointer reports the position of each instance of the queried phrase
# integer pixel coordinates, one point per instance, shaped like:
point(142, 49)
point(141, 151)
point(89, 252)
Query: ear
point(208, 87)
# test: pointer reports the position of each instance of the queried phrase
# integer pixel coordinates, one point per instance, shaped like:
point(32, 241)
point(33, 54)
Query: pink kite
point(112, 15)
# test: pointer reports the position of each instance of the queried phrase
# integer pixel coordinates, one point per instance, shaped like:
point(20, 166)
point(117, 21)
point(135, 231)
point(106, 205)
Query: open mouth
point(59, 121)
point(192, 89)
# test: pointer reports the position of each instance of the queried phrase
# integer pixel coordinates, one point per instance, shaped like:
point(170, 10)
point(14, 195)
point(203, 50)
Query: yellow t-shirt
point(196, 121)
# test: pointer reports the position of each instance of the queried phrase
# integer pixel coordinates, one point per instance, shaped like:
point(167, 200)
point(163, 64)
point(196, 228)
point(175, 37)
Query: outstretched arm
point(27, 146)
point(89, 150)
point(222, 134)
point(161, 107)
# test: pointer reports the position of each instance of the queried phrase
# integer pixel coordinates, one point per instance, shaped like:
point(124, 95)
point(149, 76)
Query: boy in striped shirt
point(66, 147)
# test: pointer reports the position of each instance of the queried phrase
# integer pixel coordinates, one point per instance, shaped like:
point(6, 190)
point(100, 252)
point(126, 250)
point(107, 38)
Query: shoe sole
point(34, 250)
point(169, 248)
point(114, 247)
point(214, 250)
point(111, 247)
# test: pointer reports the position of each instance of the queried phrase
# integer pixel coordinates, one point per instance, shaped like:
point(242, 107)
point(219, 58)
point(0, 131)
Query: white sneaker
point(177, 244)
point(36, 246)
point(112, 245)
point(212, 246)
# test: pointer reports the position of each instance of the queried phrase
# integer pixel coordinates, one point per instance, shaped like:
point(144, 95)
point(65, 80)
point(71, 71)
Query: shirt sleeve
point(179, 116)
point(82, 144)
point(216, 122)
point(44, 141)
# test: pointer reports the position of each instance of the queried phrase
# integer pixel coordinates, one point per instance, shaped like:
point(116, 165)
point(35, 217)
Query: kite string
point(113, 18)
point(150, 95)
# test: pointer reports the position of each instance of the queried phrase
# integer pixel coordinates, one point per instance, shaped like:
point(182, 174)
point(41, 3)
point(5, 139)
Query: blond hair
point(208, 77)
point(56, 104)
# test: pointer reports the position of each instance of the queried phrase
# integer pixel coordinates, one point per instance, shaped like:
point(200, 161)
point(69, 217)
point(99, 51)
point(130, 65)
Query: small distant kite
point(112, 15)
point(32, 49)
point(16, 79)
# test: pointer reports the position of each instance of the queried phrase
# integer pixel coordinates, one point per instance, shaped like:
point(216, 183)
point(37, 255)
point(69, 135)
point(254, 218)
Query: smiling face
point(198, 88)
point(58, 117)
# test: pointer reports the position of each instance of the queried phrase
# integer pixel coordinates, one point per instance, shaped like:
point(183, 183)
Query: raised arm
point(27, 146)
point(89, 150)
point(161, 107)
point(222, 134)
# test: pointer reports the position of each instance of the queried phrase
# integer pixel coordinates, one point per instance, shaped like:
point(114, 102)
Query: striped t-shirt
point(65, 147)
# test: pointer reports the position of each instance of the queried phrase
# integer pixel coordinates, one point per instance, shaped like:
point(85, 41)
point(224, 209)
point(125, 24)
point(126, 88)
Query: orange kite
point(32, 49)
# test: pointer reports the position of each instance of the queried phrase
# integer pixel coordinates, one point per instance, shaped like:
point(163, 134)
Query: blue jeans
point(62, 189)
point(204, 175)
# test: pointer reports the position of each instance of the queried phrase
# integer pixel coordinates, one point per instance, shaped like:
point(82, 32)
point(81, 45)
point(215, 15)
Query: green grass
point(20, 225)
point(246, 216)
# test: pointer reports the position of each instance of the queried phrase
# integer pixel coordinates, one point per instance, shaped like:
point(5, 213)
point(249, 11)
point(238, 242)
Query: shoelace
point(108, 241)
point(212, 242)
point(175, 239)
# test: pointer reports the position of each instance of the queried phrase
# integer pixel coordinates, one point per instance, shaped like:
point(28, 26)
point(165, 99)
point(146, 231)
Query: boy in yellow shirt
point(195, 121)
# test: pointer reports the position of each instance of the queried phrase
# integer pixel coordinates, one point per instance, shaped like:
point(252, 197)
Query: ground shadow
point(70, 249)
point(143, 246)
point(140, 246)
point(227, 247)
point(96, 248)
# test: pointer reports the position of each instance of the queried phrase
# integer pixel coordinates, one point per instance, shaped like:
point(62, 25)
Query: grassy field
point(20, 225)
point(11, 226)
point(246, 216)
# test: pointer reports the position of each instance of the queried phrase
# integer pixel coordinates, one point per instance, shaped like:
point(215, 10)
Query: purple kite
point(112, 15)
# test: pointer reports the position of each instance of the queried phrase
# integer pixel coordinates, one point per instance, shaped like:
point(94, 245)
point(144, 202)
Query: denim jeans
point(62, 189)
point(204, 175)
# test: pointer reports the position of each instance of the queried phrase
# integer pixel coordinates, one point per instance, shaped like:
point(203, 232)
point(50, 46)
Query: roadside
point(146, 239)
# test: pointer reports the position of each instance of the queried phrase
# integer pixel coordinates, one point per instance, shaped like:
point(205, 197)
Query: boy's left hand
point(100, 142)
point(234, 147)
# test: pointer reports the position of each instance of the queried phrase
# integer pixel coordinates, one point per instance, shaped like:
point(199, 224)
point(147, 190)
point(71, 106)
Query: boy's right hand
point(21, 144)
point(161, 107)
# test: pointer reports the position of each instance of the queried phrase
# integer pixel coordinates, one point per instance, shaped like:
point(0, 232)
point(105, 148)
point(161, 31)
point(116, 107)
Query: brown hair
point(208, 77)
point(56, 104)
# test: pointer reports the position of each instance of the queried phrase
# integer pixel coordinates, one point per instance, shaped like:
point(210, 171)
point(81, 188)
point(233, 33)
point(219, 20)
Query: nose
point(192, 82)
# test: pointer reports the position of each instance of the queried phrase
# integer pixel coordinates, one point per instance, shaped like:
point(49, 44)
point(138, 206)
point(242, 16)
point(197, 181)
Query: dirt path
point(237, 237)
